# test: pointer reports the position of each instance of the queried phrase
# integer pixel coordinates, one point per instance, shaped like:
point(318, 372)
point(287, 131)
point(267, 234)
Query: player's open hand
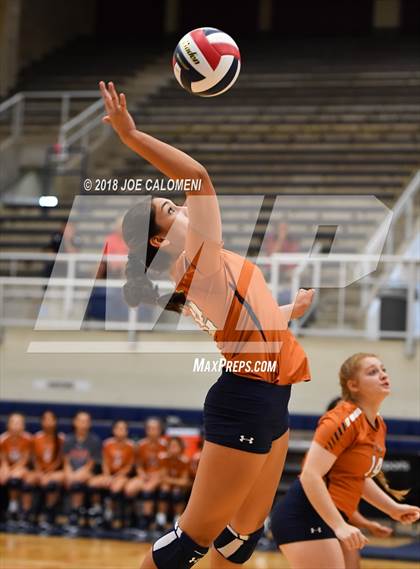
point(116, 108)
point(378, 530)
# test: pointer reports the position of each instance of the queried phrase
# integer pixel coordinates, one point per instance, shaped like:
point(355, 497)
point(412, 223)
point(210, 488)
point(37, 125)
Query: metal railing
point(399, 233)
point(68, 294)
point(13, 113)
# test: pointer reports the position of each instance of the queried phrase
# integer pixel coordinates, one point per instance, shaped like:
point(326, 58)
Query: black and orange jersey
point(359, 447)
point(14, 447)
point(150, 454)
point(176, 466)
point(236, 307)
point(47, 448)
point(118, 454)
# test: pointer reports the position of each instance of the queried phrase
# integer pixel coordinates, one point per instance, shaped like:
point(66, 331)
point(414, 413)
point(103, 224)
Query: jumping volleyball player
point(313, 523)
point(245, 413)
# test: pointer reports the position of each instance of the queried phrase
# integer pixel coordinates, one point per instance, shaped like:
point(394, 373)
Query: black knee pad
point(235, 547)
point(178, 496)
point(77, 487)
point(117, 496)
point(27, 488)
point(52, 487)
point(147, 495)
point(176, 550)
point(14, 483)
point(164, 495)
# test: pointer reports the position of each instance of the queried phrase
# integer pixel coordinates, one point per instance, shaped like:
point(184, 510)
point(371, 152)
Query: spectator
point(15, 453)
point(175, 479)
point(117, 463)
point(48, 465)
point(145, 484)
point(82, 451)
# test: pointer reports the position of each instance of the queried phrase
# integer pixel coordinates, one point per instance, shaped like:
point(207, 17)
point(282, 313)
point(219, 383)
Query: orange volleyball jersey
point(150, 454)
point(359, 447)
point(176, 466)
point(118, 454)
point(235, 306)
point(13, 447)
point(45, 450)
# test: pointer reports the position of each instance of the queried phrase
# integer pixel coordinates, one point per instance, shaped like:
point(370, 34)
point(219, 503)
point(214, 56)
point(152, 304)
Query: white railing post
point(412, 270)
point(65, 108)
point(69, 288)
point(341, 308)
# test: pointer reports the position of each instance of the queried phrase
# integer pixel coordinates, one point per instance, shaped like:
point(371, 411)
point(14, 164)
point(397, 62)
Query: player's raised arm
point(203, 208)
point(169, 160)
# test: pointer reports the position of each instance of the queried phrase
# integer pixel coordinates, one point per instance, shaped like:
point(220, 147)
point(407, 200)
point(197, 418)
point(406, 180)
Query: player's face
point(174, 448)
point(120, 430)
point(166, 214)
point(16, 424)
point(82, 423)
point(372, 379)
point(153, 429)
point(49, 422)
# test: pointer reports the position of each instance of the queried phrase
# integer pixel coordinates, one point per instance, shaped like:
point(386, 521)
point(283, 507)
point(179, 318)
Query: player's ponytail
point(398, 495)
point(139, 287)
point(349, 370)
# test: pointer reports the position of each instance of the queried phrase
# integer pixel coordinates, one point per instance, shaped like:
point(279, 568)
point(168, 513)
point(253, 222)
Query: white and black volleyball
point(206, 62)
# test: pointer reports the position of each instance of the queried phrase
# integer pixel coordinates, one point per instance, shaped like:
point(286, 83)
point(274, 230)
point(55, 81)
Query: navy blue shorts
point(294, 519)
point(246, 414)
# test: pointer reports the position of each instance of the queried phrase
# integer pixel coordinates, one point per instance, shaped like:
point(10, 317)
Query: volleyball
point(206, 62)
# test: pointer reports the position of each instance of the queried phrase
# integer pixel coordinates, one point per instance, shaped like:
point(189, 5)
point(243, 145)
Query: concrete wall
point(167, 380)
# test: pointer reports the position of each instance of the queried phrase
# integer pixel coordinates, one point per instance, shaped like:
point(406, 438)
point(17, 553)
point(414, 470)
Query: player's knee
point(236, 547)
point(14, 483)
point(176, 550)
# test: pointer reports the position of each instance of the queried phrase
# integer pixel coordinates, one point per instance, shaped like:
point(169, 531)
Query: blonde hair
point(349, 370)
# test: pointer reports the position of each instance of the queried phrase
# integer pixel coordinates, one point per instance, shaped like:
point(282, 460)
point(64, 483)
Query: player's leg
point(149, 496)
point(248, 521)
point(317, 554)
point(116, 489)
point(51, 484)
point(30, 483)
point(14, 484)
point(98, 486)
point(224, 478)
point(132, 491)
point(163, 506)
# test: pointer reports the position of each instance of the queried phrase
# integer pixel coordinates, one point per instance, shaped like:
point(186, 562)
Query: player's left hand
point(116, 107)
point(405, 514)
point(378, 530)
point(302, 302)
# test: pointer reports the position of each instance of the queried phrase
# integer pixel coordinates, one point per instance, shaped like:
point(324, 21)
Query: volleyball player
point(15, 452)
point(245, 413)
point(312, 524)
point(118, 453)
point(146, 483)
point(175, 481)
point(48, 471)
point(82, 455)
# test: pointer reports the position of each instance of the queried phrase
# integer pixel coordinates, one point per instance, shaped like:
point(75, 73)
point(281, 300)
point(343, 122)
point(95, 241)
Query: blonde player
point(245, 412)
point(312, 524)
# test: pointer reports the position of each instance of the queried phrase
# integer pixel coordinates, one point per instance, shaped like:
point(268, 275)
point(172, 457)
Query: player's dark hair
point(56, 443)
point(139, 287)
